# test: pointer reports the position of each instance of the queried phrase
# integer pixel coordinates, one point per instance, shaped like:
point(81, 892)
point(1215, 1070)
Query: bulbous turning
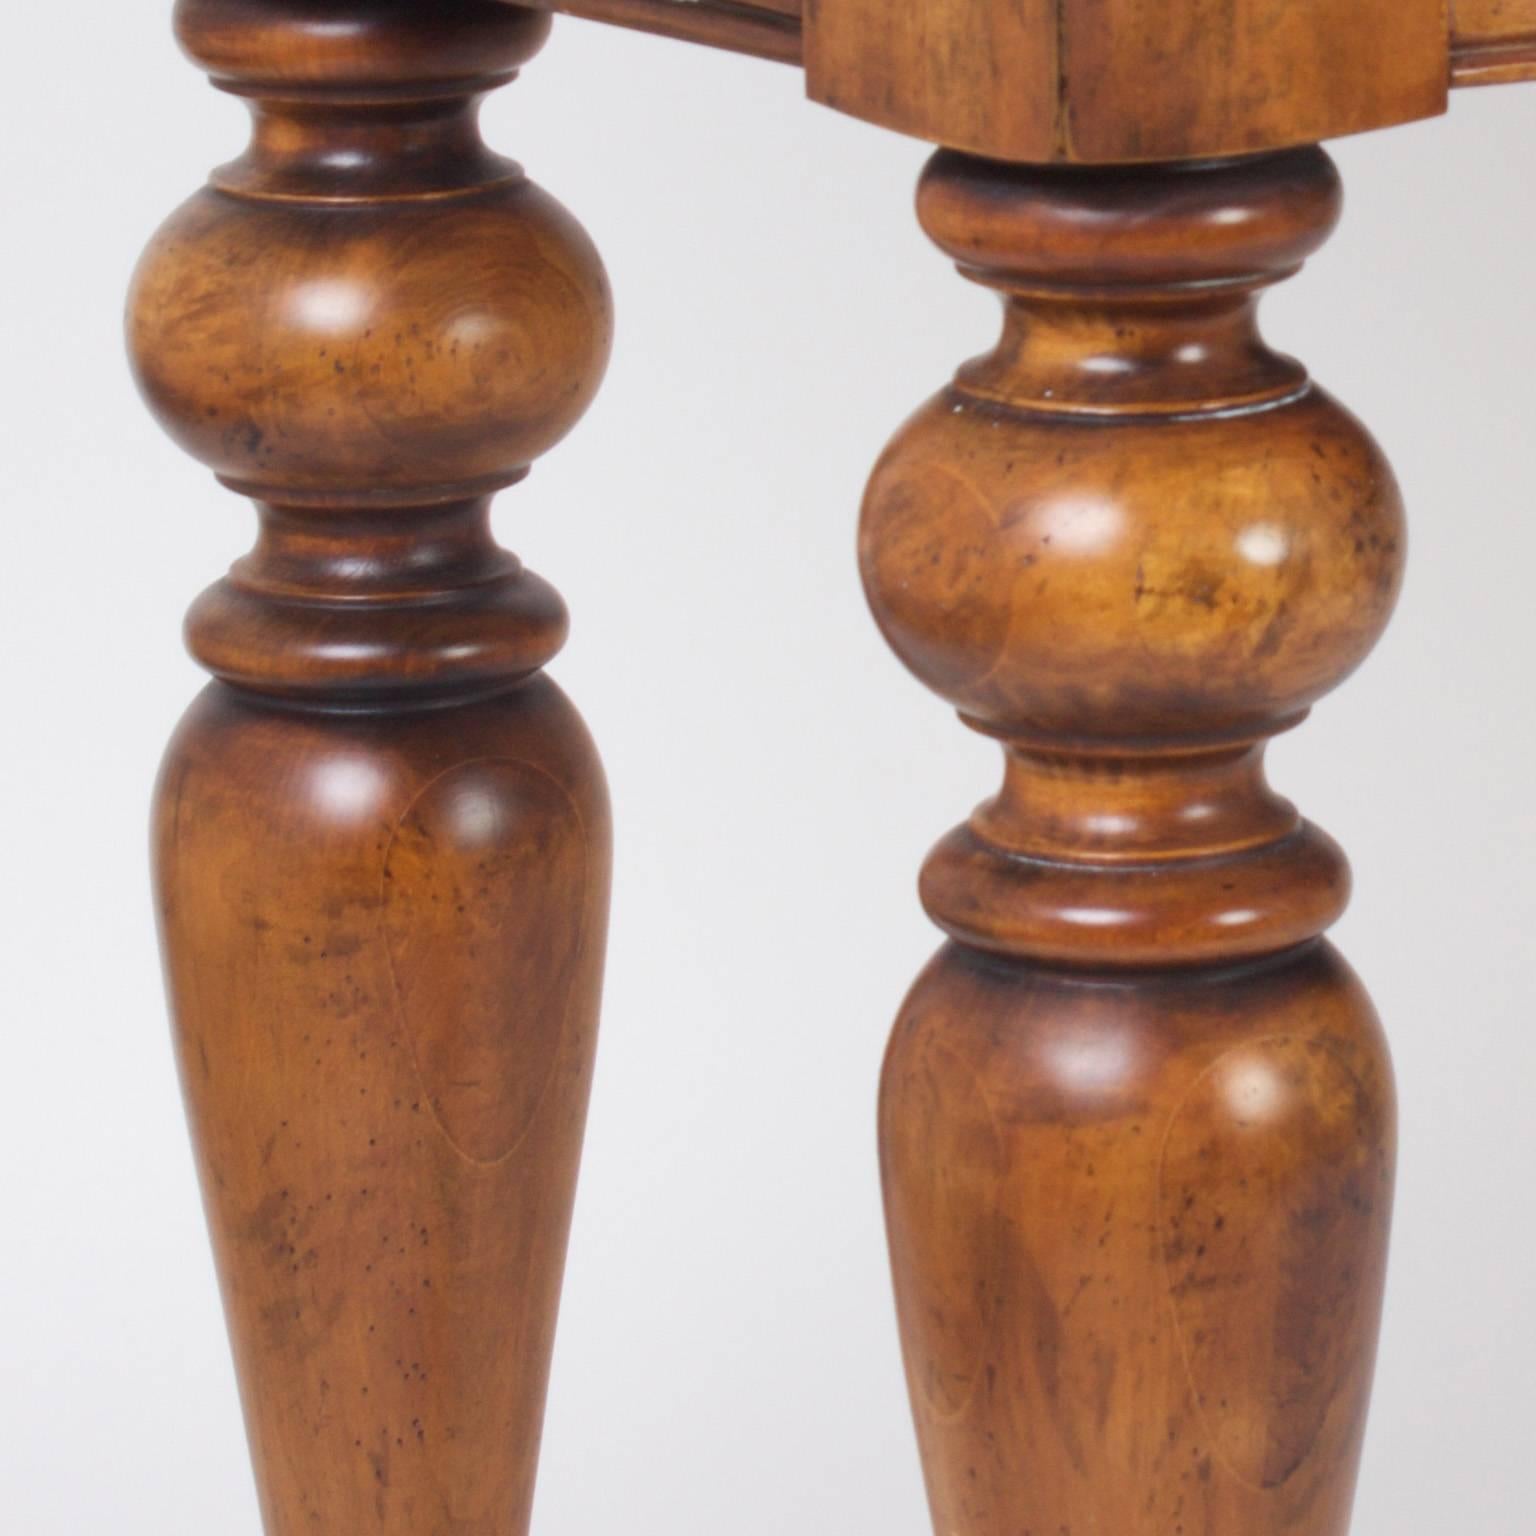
point(1129, 537)
point(370, 323)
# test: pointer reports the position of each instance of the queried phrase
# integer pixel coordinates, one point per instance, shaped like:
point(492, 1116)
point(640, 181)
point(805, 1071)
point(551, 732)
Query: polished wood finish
point(1136, 1119)
point(1137, 1123)
point(381, 836)
point(766, 30)
point(1493, 42)
point(879, 62)
point(1127, 80)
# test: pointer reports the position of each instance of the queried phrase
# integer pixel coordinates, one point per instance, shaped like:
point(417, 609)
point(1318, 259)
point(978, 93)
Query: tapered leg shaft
point(381, 835)
point(1137, 1119)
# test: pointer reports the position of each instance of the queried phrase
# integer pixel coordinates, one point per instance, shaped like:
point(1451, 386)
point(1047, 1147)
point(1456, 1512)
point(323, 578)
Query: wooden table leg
point(1137, 1121)
point(381, 837)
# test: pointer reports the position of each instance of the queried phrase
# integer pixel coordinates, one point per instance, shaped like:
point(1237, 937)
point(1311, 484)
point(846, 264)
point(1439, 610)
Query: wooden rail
point(1493, 61)
point(1492, 42)
point(769, 29)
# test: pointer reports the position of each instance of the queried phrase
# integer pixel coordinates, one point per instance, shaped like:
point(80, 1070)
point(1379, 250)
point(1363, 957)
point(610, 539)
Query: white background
point(727, 1358)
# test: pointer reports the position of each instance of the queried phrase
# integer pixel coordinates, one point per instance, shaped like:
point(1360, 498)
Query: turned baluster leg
point(381, 836)
point(1137, 1123)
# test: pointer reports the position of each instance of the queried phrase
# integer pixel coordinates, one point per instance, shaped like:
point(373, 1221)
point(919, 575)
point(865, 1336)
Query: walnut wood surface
point(1137, 1119)
point(381, 837)
point(1173, 81)
point(1493, 42)
point(769, 31)
point(1096, 81)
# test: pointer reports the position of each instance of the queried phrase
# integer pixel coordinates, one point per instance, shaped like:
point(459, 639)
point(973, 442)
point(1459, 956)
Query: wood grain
point(1110, 81)
point(765, 30)
point(1101, 81)
point(1247, 78)
point(382, 835)
point(1493, 42)
point(1137, 1120)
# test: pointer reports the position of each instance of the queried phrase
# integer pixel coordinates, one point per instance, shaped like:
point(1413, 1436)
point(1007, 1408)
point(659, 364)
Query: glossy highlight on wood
point(382, 839)
point(1493, 42)
point(1137, 1119)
